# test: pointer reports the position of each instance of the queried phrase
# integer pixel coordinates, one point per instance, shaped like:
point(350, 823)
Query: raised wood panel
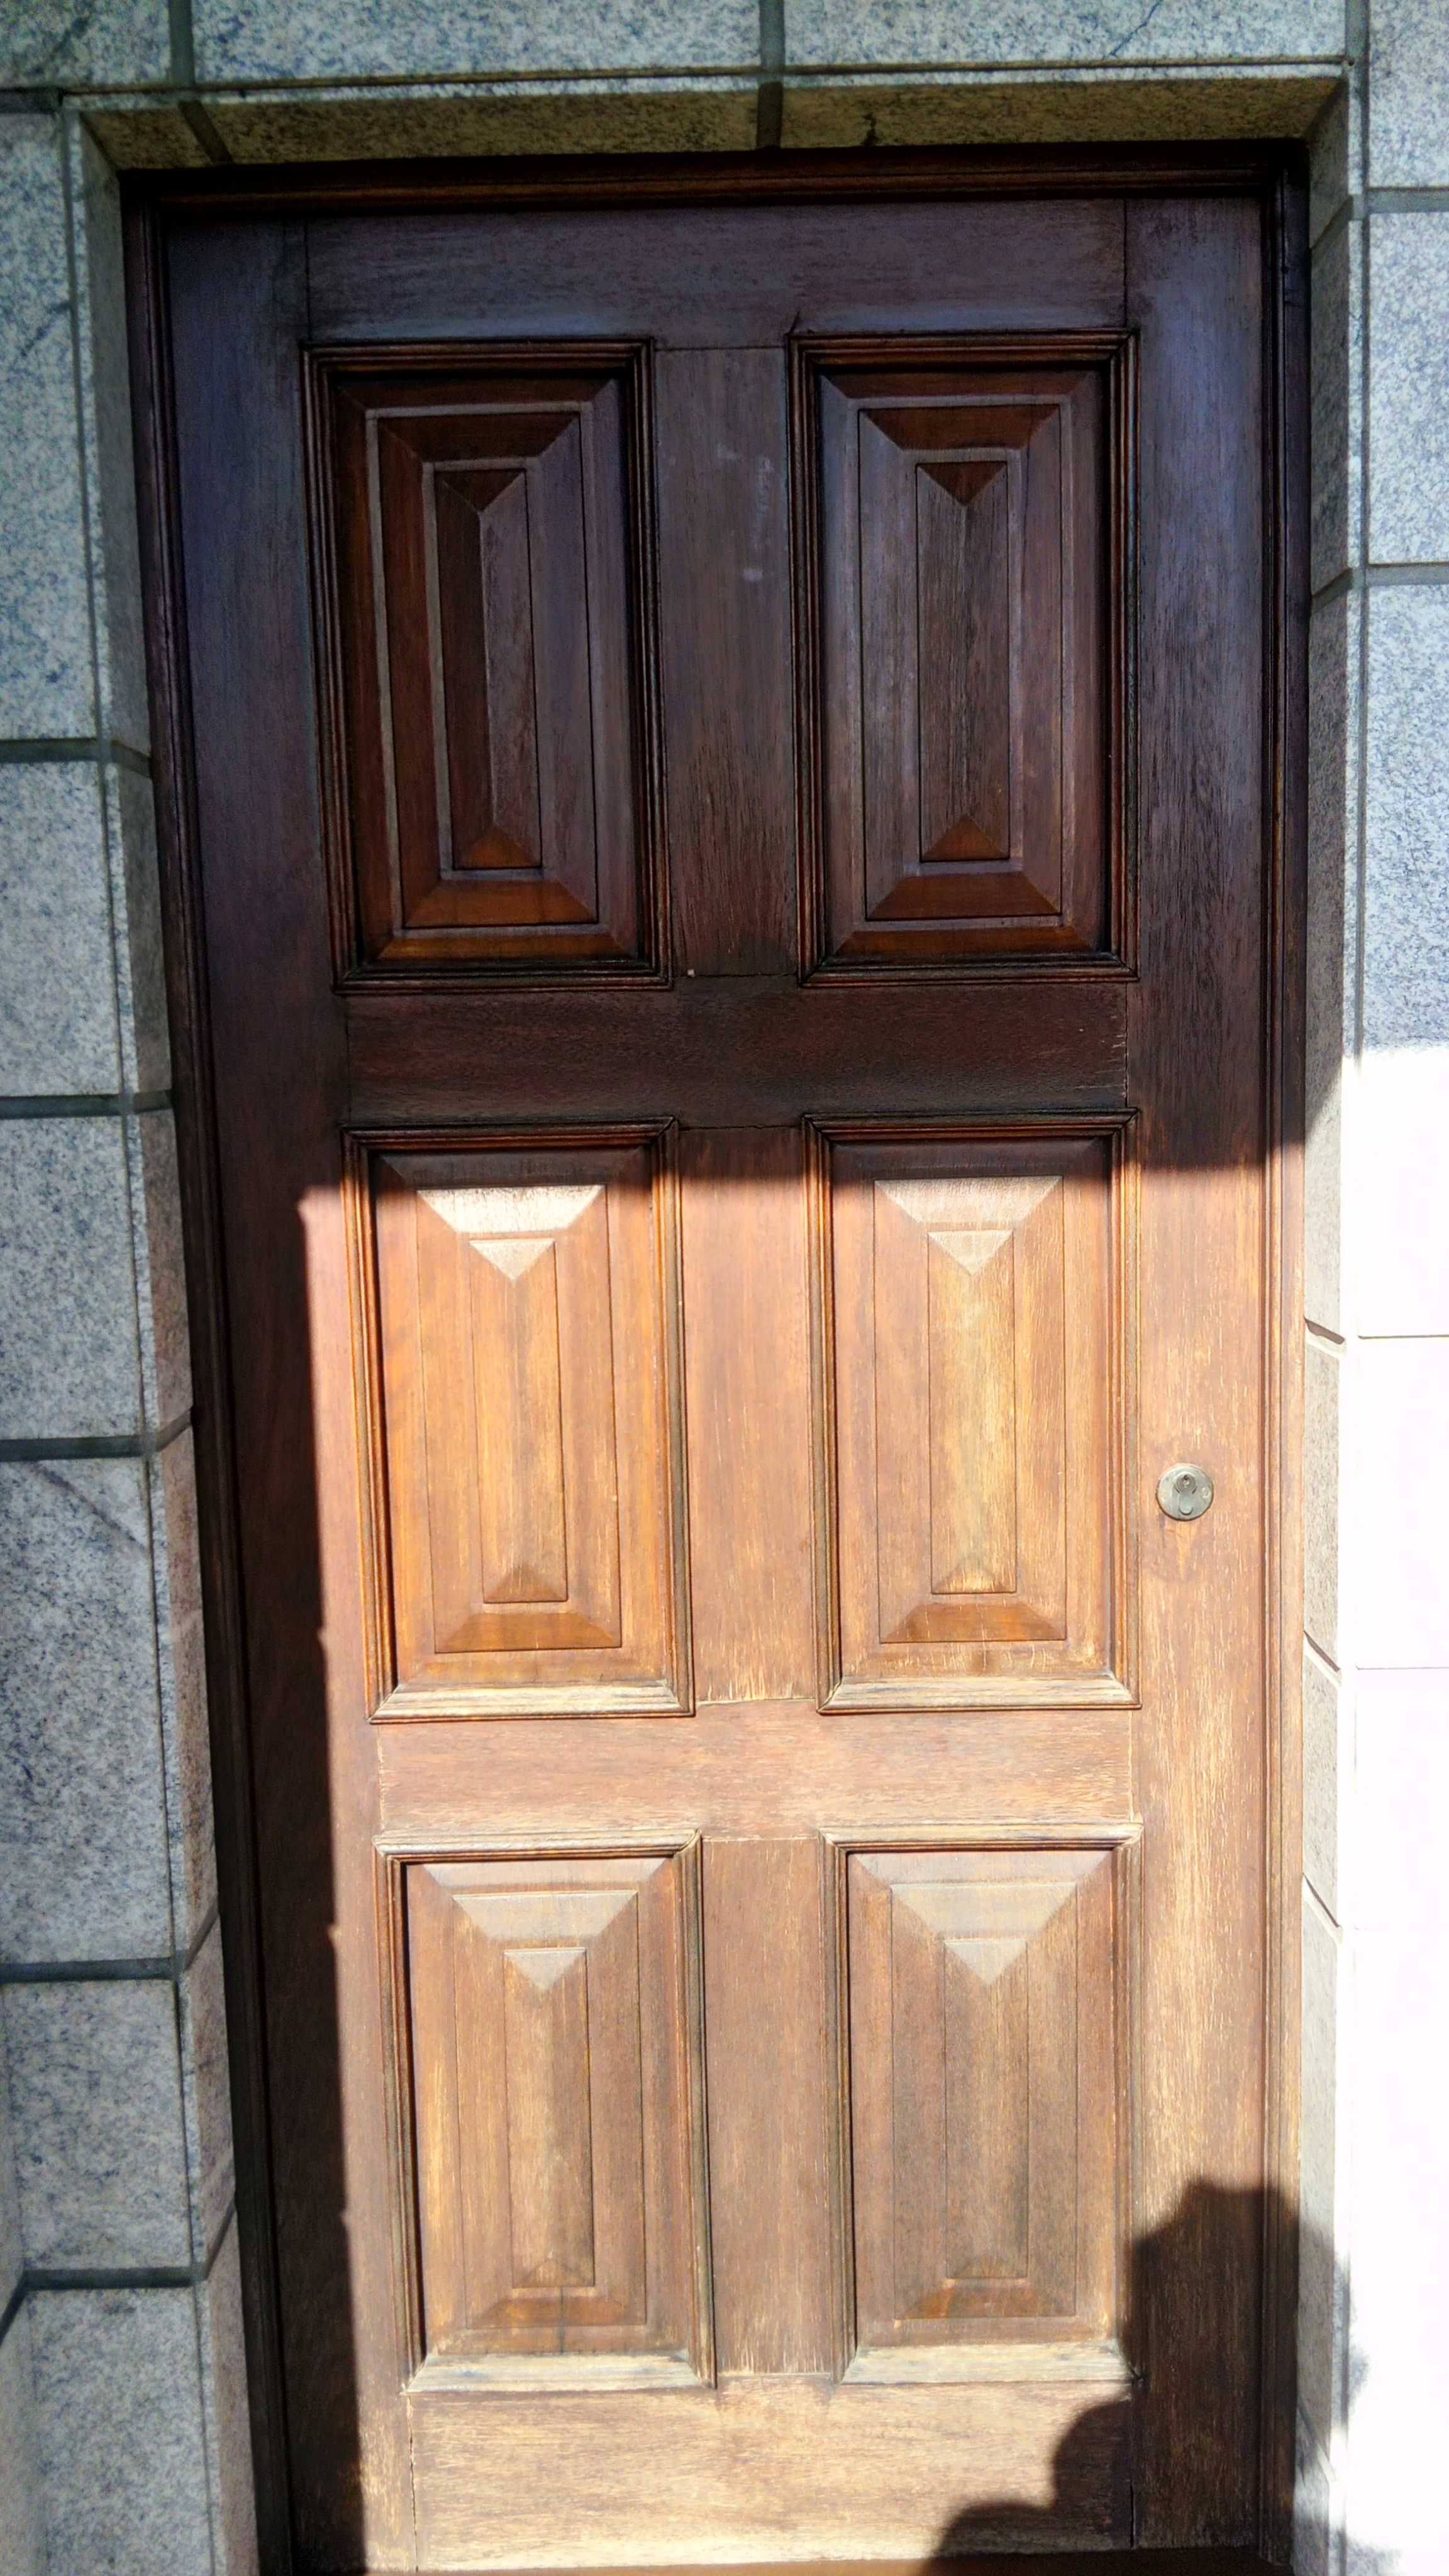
point(974, 1401)
point(964, 578)
point(985, 1990)
point(549, 2048)
point(482, 542)
point(526, 1423)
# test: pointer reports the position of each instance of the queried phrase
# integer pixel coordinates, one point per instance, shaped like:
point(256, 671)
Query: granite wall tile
point(1334, 702)
point(1335, 154)
point(206, 2096)
point(106, 446)
point(1336, 405)
point(57, 989)
point(1401, 1257)
point(100, 2143)
point(122, 2439)
point(228, 2424)
point(1406, 890)
point(22, 2511)
point(267, 40)
point(46, 672)
point(12, 2246)
point(160, 1266)
point(841, 110)
point(136, 913)
point(54, 43)
point(676, 114)
point(1061, 31)
point(1408, 94)
point(69, 1362)
point(181, 1667)
point(83, 1822)
point(1408, 433)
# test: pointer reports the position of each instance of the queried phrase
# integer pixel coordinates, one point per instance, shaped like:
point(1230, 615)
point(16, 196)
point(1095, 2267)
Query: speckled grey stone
point(60, 43)
point(160, 1266)
point(106, 448)
point(1332, 939)
point(143, 134)
point(181, 1665)
point(118, 2400)
point(1406, 871)
point(100, 2145)
point(45, 650)
point(1336, 413)
point(68, 1349)
point(1408, 94)
point(838, 110)
point(22, 2522)
point(849, 32)
point(83, 1854)
point(57, 986)
point(289, 40)
point(1334, 155)
point(675, 115)
point(1409, 388)
point(228, 2426)
point(136, 917)
point(12, 2250)
point(206, 2096)
point(1320, 1494)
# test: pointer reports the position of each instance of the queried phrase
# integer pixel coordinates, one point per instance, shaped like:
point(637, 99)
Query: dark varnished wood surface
point(738, 1053)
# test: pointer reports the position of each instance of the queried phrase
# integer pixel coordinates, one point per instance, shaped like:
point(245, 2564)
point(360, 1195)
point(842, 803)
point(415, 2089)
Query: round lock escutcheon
point(1185, 1492)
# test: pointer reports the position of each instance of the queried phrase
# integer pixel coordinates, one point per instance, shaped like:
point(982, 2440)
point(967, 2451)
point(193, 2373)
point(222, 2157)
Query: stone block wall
point(123, 2441)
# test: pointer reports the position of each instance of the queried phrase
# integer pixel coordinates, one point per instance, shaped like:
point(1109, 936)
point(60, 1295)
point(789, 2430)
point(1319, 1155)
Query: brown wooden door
point(735, 875)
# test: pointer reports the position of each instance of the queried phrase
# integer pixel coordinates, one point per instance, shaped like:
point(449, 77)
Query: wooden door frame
point(1272, 174)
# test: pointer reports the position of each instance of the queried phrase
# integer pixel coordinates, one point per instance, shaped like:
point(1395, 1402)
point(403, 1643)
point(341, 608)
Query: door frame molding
point(1272, 174)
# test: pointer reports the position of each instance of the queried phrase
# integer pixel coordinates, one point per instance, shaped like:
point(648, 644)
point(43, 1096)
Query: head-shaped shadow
point(1183, 2269)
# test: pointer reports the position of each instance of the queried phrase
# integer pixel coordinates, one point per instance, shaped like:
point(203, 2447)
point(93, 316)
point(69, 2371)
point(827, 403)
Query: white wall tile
point(1322, 1388)
point(106, 447)
point(273, 40)
point(1398, 1483)
point(1327, 1778)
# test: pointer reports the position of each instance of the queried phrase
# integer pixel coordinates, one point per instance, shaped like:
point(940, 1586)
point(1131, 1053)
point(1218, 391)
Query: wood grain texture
point(525, 1405)
point(740, 1059)
point(773, 2148)
point(1007, 1261)
point(963, 514)
point(485, 594)
point(985, 2104)
point(555, 2093)
point(747, 1397)
point(725, 653)
point(837, 2468)
point(1199, 1070)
